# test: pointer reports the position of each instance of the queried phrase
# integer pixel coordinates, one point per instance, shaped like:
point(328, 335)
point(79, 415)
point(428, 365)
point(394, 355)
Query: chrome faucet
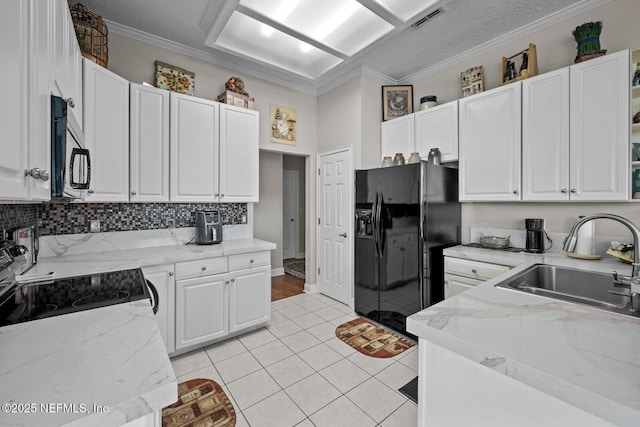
point(632, 282)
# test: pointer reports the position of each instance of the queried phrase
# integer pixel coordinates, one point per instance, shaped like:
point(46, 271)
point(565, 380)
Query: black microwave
point(70, 160)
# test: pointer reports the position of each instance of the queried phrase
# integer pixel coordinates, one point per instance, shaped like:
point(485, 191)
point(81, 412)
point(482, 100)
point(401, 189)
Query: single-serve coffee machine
point(536, 235)
point(208, 227)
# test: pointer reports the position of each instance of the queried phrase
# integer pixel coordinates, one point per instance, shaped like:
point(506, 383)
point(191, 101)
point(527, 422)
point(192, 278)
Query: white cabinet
point(213, 151)
point(397, 136)
point(13, 120)
point(545, 136)
point(193, 149)
point(463, 274)
point(220, 296)
point(149, 144)
point(162, 277)
point(490, 145)
point(106, 131)
point(25, 122)
point(250, 290)
point(67, 60)
point(599, 128)
point(201, 310)
point(239, 154)
point(437, 127)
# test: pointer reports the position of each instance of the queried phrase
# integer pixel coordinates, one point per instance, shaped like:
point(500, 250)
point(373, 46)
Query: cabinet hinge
point(318, 271)
point(318, 221)
point(318, 171)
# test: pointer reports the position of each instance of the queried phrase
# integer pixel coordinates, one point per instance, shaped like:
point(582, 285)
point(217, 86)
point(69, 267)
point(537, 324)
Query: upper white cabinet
point(193, 149)
point(397, 136)
point(490, 145)
point(149, 144)
point(599, 128)
point(14, 118)
point(545, 136)
point(213, 151)
point(67, 60)
point(239, 148)
point(437, 127)
point(106, 131)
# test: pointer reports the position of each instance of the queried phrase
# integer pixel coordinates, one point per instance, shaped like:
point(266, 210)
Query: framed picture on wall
point(284, 125)
point(396, 101)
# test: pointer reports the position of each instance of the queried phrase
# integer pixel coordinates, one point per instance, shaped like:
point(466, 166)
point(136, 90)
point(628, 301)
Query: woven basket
point(493, 242)
point(91, 33)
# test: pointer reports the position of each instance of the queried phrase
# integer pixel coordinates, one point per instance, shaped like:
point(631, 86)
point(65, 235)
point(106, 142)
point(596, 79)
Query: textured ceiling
point(464, 25)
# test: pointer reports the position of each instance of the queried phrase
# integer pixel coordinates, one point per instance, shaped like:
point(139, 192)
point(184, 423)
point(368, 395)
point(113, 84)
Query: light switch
point(94, 226)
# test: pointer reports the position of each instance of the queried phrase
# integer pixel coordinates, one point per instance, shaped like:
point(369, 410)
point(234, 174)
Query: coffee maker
point(535, 235)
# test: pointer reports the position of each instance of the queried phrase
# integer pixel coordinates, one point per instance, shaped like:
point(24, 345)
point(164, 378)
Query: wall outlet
point(94, 226)
point(244, 219)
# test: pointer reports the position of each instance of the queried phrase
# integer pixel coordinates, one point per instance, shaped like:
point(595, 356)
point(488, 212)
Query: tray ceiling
point(309, 44)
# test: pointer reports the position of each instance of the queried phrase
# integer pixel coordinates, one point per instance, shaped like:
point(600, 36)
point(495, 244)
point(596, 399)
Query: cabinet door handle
point(171, 273)
point(70, 102)
point(37, 173)
point(204, 268)
point(573, 190)
point(515, 192)
point(90, 191)
point(133, 193)
point(342, 234)
point(226, 282)
point(564, 190)
point(216, 195)
point(222, 195)
point(233, 280)
point(474, 271)
point(251, 260)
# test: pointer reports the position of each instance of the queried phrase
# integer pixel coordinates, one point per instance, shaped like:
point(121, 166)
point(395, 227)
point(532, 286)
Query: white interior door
point(335, 225)
point(289, 213)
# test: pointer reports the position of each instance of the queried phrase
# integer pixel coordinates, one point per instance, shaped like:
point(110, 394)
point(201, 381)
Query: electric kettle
point(208, 227)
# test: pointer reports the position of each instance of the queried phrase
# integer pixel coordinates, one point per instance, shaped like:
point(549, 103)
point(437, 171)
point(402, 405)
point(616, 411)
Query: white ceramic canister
point(387, 161)
point(414, 158)
point(428, 102)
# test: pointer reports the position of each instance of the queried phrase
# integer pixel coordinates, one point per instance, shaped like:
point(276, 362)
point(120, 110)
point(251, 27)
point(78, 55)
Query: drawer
point(248, 260)
point(454, 285)
point(201, 267)
point(473, 269)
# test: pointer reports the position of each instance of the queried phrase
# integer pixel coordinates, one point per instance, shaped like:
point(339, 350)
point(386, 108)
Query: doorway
point(293, 215)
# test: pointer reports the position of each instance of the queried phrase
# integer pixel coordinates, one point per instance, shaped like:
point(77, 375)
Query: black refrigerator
point(405, 217)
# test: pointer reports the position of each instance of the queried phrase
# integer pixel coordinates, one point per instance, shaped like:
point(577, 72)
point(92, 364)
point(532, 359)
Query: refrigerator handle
point(381, 235)
point(374, 224)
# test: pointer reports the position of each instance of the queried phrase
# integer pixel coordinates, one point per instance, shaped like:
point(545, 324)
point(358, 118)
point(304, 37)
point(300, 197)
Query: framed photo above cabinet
point(396, 101)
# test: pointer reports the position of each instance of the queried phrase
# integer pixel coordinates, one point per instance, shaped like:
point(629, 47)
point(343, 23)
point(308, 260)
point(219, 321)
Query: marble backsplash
point(74, 244)
point(54, 219)
point(518, 239)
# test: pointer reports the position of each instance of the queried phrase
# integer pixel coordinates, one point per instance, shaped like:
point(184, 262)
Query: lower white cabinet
point(221, 296)
point(249, 298)
point(162, 277)
point(201, 310)
point(463, 274)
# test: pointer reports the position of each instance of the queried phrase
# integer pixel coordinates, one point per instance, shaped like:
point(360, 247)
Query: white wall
point(297, 163)
point(268, 213)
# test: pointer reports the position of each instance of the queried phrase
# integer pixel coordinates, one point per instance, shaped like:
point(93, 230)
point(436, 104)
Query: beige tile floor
point(295, 372)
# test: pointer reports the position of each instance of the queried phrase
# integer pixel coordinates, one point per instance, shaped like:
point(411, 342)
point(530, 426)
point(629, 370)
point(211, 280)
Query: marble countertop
point(586, 357)
point(112, 357)
point(105, 366)
point(122, 259)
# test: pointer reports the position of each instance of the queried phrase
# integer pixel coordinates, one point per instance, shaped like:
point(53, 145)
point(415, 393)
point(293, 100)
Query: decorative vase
point(386, 162)
point(434, 156)
point(414, 158)
point(398, 160)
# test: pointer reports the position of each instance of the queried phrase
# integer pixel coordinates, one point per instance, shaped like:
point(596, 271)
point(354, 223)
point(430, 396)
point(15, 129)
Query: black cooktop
point(38, 300)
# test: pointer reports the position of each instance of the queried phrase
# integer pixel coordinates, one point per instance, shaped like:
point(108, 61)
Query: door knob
point(343, 235)
point(291, 220)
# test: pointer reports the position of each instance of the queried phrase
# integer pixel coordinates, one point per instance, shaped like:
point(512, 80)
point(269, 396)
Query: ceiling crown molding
point(534, 26)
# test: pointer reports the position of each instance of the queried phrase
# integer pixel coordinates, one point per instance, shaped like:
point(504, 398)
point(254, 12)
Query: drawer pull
point(226, 282)
point(204, 268)
point(233, 280)
point(474, 271)
point(251, 260)
point(171, 273)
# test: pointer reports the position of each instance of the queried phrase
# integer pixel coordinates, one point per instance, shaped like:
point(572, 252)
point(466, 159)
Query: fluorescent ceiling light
point(279, 49)
point(405, 9)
